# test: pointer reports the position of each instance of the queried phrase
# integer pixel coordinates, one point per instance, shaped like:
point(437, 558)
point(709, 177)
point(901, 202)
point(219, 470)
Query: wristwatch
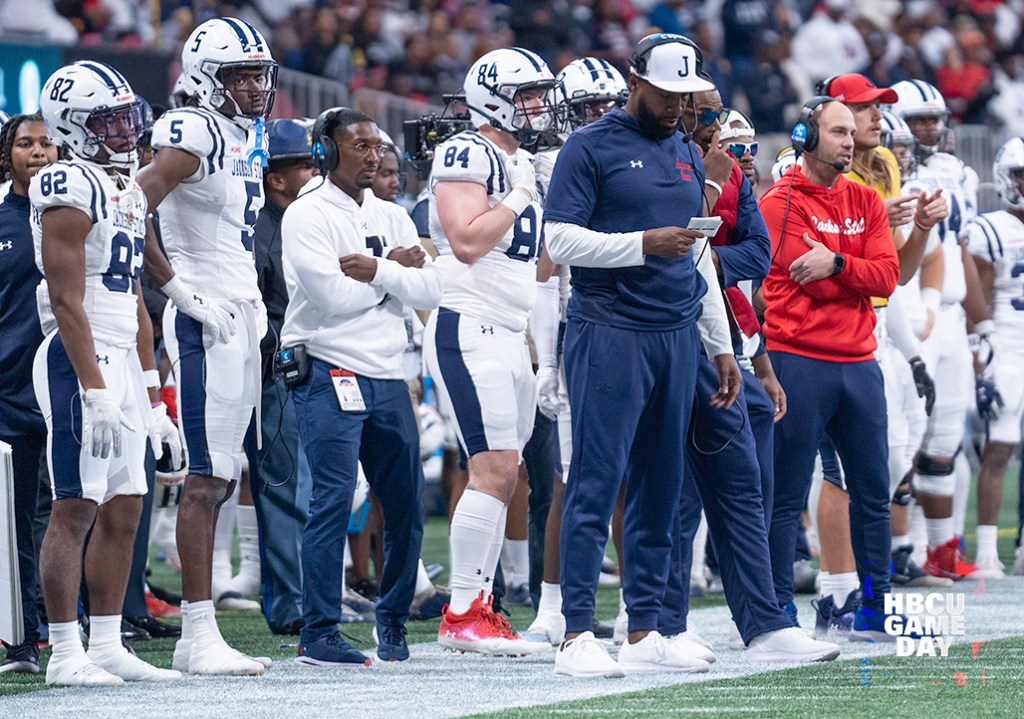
point(838, 263)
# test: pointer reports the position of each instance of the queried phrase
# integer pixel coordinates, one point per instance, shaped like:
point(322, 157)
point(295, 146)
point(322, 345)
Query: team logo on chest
point(684, 170)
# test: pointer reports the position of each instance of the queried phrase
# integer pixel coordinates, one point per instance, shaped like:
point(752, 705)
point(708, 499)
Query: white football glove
point(548, 401)
point(203, 310)
point(543, 164)
point(521, 174)
point(102, 421)
point(162, 429)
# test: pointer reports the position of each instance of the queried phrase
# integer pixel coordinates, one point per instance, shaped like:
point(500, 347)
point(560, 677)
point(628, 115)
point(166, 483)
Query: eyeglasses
point(364, 148)
point(708, 117)
point(738, 149)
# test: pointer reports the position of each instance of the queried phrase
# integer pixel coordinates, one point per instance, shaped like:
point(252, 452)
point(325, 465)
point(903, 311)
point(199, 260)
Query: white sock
point(961, 493)
point(474, 524)
point(186, 622)
point(843, 585)
point(987, 541)
point(622, 601)
point(247, 581)
point(497, 542)
point(223, 537)
point(65, 640)
point(900, 541)
point(825, 580)
point(918, 533)
point(422, 580)
point(550, 599)
point(939, 530)
point(104, 634)
point(204, 622)
point(515, 562)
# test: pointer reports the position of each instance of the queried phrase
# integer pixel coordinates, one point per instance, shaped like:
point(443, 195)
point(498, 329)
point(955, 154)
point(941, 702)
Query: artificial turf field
point(983, 674)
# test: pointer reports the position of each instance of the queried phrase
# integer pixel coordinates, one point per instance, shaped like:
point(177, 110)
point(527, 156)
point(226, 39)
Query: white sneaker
point(694, 636)
point(1018, 562)
point(654, 653)
point(548, 628)
point(584, 656)
point(80, 671)
point(218, 658)
point(132, 669)
point(736, 642)
point(234, 602)
point(686, 645)
point(621, 631)
point(989, 567)
point(789, 645)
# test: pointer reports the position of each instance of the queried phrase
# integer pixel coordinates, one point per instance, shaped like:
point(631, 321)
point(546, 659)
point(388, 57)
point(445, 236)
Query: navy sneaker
point(823, 607)
point(790, 609)
point(391, 645)
point(331, 651)
point(429, 603)
point(21, 659)
point(869, 626)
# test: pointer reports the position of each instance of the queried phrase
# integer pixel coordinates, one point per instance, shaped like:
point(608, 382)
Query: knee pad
point(934, 476)
point(226, 466)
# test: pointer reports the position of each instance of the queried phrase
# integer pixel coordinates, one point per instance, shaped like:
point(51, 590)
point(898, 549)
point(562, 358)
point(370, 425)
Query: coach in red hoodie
point(831, 252)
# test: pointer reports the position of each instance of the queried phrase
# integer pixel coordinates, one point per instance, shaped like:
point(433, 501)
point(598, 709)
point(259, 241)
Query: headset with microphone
point(806, 133)
point(324, 148)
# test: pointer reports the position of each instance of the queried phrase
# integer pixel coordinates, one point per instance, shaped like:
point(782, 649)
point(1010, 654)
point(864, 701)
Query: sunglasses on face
point(738, 149)
point(708, 117)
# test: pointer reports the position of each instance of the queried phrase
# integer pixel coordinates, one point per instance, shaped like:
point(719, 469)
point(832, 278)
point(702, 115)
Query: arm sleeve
point(544, 322)
point(878, 270)
point(714, 322)
point(748, 257)
point(897, 324)
point(311, 254)
point(570, 244)
point(418, 287)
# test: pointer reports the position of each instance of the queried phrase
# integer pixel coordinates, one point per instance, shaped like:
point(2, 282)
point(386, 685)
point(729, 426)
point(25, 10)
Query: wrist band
point(151, 378)
point(518, 200)
point(714, 184)
point(154, 405)
point(919, 226)
point(985, 327)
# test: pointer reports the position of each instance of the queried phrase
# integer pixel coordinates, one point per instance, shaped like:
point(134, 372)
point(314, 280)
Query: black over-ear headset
point(324, 148)
point(805, 132)
point(638, 60)
point(824, 88)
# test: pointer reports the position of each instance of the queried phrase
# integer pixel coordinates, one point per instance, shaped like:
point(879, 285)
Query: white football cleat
point(989, 567)
point(132, 669)
point(231, 601)
point(217, 658)
point(1018, 562)
point(80, 671)
point(681, 642)
point(585, 656)
point(654, 653)
point(789, 645)
point(548, 628)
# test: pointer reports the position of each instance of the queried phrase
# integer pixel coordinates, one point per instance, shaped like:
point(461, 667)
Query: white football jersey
point(501, 286)
point(207, 221)
point(113, 248)
point(998, 237)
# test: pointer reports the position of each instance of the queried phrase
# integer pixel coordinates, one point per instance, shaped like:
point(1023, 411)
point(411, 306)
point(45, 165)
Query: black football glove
point(990, 402)
point(924, 383)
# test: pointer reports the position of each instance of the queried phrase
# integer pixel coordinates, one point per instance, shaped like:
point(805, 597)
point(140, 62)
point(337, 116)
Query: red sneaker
point(158, 608)
point(480, 630)
point(944, 561)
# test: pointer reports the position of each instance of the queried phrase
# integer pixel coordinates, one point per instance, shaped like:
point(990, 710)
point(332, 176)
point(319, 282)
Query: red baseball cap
point(857, 88)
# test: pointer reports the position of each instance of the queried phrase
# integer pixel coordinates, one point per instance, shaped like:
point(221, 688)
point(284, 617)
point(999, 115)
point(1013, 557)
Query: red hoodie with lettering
point(829, 319)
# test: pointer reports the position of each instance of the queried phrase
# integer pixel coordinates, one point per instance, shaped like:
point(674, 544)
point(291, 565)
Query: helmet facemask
point(929, 141)
point(113, 134)
point(525, 124)
point(1010, 181)
point(252, 82)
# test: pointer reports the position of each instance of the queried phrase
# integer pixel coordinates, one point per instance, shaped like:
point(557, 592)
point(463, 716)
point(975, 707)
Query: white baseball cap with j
point(670, 62)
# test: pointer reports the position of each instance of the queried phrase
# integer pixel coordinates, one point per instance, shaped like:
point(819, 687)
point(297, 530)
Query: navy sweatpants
point(723, 474)
point(385, 439)
point(631, 394)
point(26, 457)
point(846, 400)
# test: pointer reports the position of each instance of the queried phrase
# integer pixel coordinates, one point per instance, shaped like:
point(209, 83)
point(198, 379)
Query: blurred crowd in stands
point(764, 55)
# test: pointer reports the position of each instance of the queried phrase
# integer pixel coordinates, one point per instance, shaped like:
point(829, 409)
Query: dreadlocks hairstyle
point(7, 135)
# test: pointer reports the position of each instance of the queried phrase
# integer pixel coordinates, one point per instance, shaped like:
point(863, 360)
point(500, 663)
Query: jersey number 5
point(252, 191)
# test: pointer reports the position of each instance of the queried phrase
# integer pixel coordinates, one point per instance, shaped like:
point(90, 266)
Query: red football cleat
point(944, 561)
point(480, 630)
point(159, 608)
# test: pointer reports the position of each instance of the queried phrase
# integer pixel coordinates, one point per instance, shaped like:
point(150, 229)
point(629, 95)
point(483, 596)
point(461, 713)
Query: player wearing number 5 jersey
point(486, 226)
point(209, 195)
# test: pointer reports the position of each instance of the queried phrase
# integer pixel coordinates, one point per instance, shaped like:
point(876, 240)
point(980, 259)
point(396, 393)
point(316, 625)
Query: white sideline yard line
point(437, 684)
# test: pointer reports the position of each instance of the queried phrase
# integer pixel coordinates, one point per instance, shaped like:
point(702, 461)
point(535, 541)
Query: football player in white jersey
point(209, 195)
point(995, 240)
point(945, 349)
point(586, 89)
point(486, 225)
point(88, 226)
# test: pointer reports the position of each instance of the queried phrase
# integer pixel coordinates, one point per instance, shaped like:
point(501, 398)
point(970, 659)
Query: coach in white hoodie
point(352, 264)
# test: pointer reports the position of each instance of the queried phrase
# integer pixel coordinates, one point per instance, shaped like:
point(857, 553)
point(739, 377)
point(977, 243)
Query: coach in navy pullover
point(621, 192)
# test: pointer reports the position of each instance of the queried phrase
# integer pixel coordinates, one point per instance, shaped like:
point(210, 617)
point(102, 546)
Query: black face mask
point(650, 124)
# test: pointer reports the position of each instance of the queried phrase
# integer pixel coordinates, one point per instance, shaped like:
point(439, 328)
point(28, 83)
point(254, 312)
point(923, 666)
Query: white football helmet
point(584, 82)
point(920, 99)
point(491, 87)
point(1009, 165)
point(212, 55)
point(896, 132)
point(783, 161)
point(90, 108)
point(744, 129)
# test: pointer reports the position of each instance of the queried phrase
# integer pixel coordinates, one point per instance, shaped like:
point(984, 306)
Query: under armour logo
point(9, 245)
point(636, 163)
point(102, 358)
point(486, 330)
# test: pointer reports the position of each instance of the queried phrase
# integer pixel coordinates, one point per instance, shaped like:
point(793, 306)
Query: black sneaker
point(603, 630)
point(154, 627)
point(905, 573)
point(841, 620)
point(21, 659)
point(823, 607)
point(132, 633)
point(331, 651)
point(391, 644)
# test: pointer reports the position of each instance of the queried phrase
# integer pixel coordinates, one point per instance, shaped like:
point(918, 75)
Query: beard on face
point(650, 124)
